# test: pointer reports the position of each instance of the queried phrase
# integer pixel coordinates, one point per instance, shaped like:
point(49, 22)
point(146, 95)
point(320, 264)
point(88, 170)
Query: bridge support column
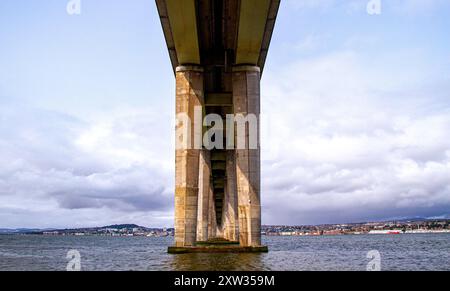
point(246, 101)
point(204, 196)
point(189, 96)
point(230, 223)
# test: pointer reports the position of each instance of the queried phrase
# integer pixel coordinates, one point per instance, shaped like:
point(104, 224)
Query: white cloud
point(341, 142)
point(347, 136)
point(342, 151)
point(65, 172)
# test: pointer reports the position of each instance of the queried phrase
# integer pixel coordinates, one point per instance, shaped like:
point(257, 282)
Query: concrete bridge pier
point(246, 100)
point(218, 50)
point(189, 95)
point(204, 197)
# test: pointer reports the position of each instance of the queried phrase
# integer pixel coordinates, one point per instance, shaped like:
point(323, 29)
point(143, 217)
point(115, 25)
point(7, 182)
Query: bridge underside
point(218, 49)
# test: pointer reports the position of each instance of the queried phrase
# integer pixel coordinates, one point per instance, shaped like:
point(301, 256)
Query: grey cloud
point(351, 154)
point(336, 151)
point(45, 168)
point(130, 195)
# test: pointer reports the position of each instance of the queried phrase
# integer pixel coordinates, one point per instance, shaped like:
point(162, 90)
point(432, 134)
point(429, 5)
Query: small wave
point(15, 255)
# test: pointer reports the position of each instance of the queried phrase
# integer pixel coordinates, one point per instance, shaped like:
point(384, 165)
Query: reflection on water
point(225, 262)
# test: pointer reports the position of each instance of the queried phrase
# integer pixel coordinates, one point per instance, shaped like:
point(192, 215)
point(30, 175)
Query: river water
point(397, 252)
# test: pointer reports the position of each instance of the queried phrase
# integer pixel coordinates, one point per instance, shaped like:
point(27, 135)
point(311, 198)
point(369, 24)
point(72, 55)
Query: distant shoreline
point(423, 232)
point(372, 228)
point(264, 235)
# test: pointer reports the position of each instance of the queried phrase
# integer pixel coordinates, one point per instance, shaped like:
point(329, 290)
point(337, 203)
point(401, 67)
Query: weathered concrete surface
point(189, 93)
point(230, 217)
point(217, 50)
point(204, 196)
point(195, 217)
point(246, 100)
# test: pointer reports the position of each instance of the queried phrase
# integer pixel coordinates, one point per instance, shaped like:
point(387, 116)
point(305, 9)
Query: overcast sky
point(356, 114)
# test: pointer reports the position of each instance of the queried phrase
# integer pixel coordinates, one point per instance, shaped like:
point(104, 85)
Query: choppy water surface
point(398, 252)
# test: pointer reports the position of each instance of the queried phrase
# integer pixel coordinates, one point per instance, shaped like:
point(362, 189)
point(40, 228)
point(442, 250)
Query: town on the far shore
point(386, 227)
point(413, 226)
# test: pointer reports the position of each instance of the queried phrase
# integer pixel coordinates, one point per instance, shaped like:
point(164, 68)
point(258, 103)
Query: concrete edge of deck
point(217, 249)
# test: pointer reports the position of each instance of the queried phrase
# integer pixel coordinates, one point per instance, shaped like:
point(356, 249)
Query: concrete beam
point(219, 99)
point(248, 27)
point(252, 24)
point(183, 24)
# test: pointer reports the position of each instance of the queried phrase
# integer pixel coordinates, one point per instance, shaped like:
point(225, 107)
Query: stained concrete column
point(189, 97)
point(204, 195)
point(246, 101)
point(230, 202)
point(212, 222)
